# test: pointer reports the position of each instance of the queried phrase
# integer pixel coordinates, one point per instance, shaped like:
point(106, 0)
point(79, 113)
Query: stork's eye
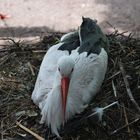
point(59, 69)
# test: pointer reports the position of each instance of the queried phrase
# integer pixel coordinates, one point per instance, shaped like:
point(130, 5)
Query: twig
point(126, 119)
point(104, 108)
point(3, 91)
point(111, 25)
point(117, 73)
point(8, 39)
point(12, 49)
point(5, 49)
point(29, 131)
point(6, 57)
point(2, 130)
point(128, 87)
point(39, 51)
point(31, 68)
point(115, 131)
point(114, 89)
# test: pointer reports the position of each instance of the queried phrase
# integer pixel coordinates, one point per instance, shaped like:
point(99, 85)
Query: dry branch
point(114, 89)
point(126, 125)
point(31, 68)
point(6, 58)
point(126, 119)
point(29, 131)
point(128, 87)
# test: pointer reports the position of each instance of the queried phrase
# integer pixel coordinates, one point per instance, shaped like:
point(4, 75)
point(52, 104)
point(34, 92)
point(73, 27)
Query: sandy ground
point(31, 18)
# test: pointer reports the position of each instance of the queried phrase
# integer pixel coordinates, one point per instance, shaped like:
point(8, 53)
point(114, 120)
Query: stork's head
point(65, 68)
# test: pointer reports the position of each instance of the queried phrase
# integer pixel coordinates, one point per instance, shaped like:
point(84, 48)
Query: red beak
point(64, 90)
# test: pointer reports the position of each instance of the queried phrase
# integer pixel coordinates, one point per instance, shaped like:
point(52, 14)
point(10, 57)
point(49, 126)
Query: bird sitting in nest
point(71, 73)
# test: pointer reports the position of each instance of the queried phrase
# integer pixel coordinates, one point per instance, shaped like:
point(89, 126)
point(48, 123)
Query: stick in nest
point(6, 58)
point(115, 131)
point(128, 87)
point(126, 119)
point(114, 89)
point(29, 131)
point(31, 68)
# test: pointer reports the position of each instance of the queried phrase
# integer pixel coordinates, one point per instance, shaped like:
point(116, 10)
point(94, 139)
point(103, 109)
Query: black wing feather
point(89, 47)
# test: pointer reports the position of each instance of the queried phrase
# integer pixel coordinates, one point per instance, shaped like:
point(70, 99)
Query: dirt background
point(31, 18)
point(20, 62)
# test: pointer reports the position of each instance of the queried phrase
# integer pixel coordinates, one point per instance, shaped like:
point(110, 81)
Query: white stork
point(71, 73)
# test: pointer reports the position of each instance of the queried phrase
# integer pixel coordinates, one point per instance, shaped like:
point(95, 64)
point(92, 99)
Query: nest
point(19, 66)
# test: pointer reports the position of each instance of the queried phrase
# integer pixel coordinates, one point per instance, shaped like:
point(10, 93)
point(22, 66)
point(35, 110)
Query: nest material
point(19, 65)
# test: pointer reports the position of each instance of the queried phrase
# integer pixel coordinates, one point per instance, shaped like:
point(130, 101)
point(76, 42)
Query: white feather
point(45, 79)
point(99, 112)
point(86, 79)
point(52, 110)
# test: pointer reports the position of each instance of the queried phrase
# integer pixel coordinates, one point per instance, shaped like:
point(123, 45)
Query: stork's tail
point(89, 31)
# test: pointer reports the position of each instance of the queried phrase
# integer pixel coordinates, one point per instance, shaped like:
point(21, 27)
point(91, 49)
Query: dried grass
point(19, 65)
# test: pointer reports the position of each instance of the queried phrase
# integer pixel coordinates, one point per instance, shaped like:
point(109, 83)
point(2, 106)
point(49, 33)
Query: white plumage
point(86, 74)
point(46, 76)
